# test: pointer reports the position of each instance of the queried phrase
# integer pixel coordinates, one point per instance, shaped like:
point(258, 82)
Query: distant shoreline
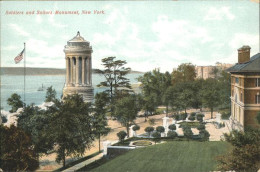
point(40, 71)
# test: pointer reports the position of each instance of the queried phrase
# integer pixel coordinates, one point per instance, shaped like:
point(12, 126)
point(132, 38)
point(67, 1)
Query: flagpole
point(24, 63)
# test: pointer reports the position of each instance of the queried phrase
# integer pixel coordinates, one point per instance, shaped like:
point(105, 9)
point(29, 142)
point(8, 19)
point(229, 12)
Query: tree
point(15, 102)
point(211, 94)
point(199, 117)
point(172, 134)
point(17, 152)
point(154, 89)
point(184, 73)
point(100, 124)
point(3, 118)
point(121, 135)
point(35, 122)
point(149, 130)
point(204, 134)
point(114, 74)
point(187, 131)
point(50, 94)
point(215, 72)
point(172, 127)
point(160, 129)
point(225, 89)
point(201, 127)
point(126, 111)
point(245, 155)
point(71, 127)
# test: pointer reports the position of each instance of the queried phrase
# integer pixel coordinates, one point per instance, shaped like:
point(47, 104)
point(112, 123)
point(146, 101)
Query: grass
point(173, 156)
point(191, 124)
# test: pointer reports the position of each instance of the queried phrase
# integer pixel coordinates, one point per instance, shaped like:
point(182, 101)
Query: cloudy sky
point(147, 35)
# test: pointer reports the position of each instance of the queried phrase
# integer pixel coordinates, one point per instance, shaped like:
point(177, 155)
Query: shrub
point(172, 134)
point(4, 118)
point(201, 127)
point(149, 130)
point(156, 136)
point(192, 118)
point(188, 133)
point(172, 127)
point(160, 129)
point(177, 117)
point(121, 135)
point(204, 135)
point(151, 121)
point(200, 117)
point(136, 127)
point(193, 114)
point(184, 116)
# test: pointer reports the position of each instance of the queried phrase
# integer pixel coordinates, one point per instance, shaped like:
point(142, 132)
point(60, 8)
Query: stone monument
point(78, 68)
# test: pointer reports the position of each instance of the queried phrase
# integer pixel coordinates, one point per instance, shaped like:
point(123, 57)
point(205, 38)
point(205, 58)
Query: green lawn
point(182, 156)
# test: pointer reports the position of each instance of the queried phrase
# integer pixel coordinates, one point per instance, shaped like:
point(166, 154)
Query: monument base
point(86, 91)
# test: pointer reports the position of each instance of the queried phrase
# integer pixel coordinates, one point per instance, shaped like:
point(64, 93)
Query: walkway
point(84, 163)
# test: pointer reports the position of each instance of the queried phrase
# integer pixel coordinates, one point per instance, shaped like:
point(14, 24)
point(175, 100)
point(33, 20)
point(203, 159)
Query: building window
point(241, 96)
point(237, 80)
point(257, 82)
point(257, 99)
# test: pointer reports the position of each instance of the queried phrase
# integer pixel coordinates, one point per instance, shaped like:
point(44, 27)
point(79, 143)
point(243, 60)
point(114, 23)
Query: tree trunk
point(98, 142)
point(211, 113)
point(145, 116)
point(127, 130)
point(167, 109)
point(185, 110)
point(64, 159)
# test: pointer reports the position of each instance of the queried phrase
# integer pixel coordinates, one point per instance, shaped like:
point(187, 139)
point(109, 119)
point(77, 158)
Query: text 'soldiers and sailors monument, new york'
point(78, 68)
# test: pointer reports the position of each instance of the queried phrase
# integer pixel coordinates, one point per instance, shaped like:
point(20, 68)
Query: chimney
point(244, 54)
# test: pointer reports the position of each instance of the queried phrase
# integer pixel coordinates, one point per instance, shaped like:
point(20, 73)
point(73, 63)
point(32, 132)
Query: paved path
point(82, 164)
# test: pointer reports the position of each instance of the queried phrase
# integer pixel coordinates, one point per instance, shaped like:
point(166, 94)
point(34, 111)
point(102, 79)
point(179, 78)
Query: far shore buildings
point(205, 72)
point(245, 90)
point(78, 56)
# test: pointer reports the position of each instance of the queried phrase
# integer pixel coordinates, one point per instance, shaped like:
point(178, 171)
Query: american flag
point(19, 57)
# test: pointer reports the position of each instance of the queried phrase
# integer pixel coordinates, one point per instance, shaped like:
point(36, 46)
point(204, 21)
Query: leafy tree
point(225, 89)
point(160, 129)
point(245, 155)
point(121, 135)
point(126, 111)
point(50, 94)
point(215, 72)
point(15, 102)
point(100, 124)
point(35, 122)
point(184, 73)
point(71, 127)
point(17, 152)
point(172, 127)
point(211, 94)
point(154, 88)
point(151, 121)
point(172, 134)
point(114, 74)
point(156, 135)
point(149, 130)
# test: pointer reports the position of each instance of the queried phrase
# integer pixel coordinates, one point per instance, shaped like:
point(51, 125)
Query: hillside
point(37, 71)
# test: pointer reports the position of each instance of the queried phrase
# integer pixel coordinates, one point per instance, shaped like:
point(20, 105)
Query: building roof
point(251, 66)
point(77, 38)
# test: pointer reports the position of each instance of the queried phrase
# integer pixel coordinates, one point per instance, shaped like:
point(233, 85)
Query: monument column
point(83, 70)
point(71, 71)
point(77, 70)
point(89, 70)
point(67, 71)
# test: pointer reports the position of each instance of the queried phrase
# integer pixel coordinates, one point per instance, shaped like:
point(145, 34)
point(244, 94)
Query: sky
point(148, 35)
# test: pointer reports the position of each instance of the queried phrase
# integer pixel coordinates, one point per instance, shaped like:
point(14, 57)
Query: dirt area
point(48, 162)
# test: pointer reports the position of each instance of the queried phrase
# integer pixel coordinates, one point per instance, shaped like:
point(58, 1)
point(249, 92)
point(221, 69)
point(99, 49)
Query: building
point(78, 68)
point(205, 72)
point(245, 89)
